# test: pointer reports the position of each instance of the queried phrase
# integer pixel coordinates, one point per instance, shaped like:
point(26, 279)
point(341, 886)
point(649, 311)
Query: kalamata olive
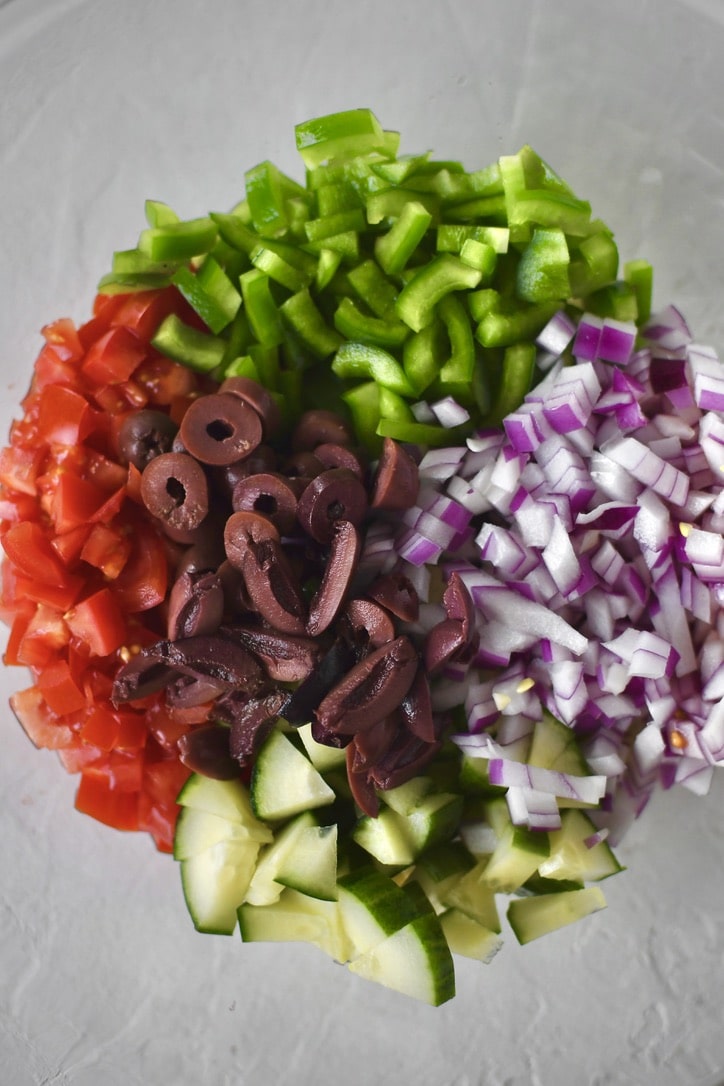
point(302, 465)
point(269, 493)
point(370, 622)
point(195, 605)
point(220, 429)
point(204, 556)
point(256, 396)
point(442, 643)
point(396, 480)
point(174, 489)
point(253, 547)
point(205, 750)
point(397, 594)
point(144, 435)
point(338, 571)
point(371, 690)
point(316, 427)
point(331, 455)
point(262, 459)
point(334, 495)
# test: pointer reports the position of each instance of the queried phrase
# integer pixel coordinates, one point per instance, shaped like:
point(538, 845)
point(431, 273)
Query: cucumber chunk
point(468, 938)
point(285, 782)
point(198, 830)
point(415, 960)
point(531, 917)
point(372, 907)
point(297, 918)
point(215, 882)
point(321, 756)
point(225, 799)
point(311, 867)
point(570, 858)
point(264, 889)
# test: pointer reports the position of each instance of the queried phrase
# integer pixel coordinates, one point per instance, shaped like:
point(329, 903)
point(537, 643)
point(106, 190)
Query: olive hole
point(176, 490)
point(266, 503)
point(219, 430)
point(335, 510)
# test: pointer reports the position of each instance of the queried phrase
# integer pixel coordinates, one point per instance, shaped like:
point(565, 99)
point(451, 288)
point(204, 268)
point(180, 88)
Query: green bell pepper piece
point(179, 241)
point(374, 289)
point(242, 367)
point(114, 283)
point(280, 262)
point(390, 204)
point(394, 249)
point(340, 135)
point(363, 402)
point(458, 368)
point(452, 236)
point(328, 225)
point(159, 214)
point(267, 193)
point(542, 273)
point(640, 275)
point(393, 406)
point(503, 329)
point(362, 328)
point(480, 255)
point(197, 350)
point(354, 360)
point(304, 319)
point(444, 274)
point(235, 232)
point(327, 267)
point(482, 302)
point(594, 264)
point(515, 381)
point(336, 197)
point(210, 292)
point(261, 309)
point(420, 433)
point(423, 354)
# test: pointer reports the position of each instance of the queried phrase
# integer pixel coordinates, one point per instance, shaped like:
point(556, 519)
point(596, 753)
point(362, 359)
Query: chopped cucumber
point(372, 907)
point(531, 917)
point(385, 838)
point(468, 938)
point(297, 918)
point(311, 867)
point(225, 799)
point(264, 887)
point(322, 757)
point(472, 895)
point(440, 868)
point(215, 882)
point(285, 782)
point(570, 857)
point(415, 961)
point(198, 830)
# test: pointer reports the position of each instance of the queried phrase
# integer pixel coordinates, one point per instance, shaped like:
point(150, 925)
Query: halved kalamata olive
point(251, 720)
point(334, 495)
point(307, 696)
point(269, 493)
point(195, 605)
point(174, 489)
point(338, 571)
point(256, 396)
point(205, 750)
point(285, 658)
point(458, 603)
point(317, 427)
point(253, 547)
point(371, 620)
point(442, 643)
point(371, 690)
point(185, 692)
point(213, 657)
point(144, 435)
point(205, 556)
point(397, 594)
point(362, 789)
point(220, 429)
point(396, 480)
point(405, 760)
point(144, 674)
point(416, 710)
point(340, 456)
point(374, 743)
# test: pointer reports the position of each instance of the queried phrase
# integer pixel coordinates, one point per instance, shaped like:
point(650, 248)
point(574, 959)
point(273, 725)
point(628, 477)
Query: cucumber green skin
point(415, 960)
point(532, 917)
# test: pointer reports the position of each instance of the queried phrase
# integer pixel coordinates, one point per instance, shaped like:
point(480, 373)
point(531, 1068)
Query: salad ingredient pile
point(365, 548)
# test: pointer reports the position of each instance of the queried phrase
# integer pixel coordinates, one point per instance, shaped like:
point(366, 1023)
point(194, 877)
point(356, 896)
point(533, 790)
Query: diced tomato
point(143, 581)
point(69, 545)
point(123, 770)
point(19, 468)
point(74, 502)
point(100, 728)
point(28, 549)
point(104, 473)
point(159, 820)
point(97, 797)
point(113, 357)
point(39, 722)
point(64, 417)
point(98, 623)
point(75, 758)
point(144, 310)
point(166, 381)
point(62, 336)
point(164, 778)
point(60, 690)
point(60, 597)
point(18, 630)
point(107, 550)
point(51, 369)
point(132, 731)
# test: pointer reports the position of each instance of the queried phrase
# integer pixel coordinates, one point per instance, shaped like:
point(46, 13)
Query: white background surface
point(103, 981)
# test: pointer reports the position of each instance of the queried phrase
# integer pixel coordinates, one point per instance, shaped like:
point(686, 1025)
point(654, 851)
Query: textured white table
point(103, 981)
